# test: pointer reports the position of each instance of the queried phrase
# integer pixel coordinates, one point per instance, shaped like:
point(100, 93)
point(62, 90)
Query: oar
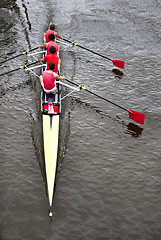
point(21, 67)
point(136, 116)
point(23, 53)
point(117, 63)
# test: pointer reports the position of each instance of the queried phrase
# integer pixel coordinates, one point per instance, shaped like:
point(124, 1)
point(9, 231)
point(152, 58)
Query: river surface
point(109, 167)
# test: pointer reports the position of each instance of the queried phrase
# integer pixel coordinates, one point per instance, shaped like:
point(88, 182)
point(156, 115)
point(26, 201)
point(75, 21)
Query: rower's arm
point(57, 35)
point(40, 60)
point(58, 77)
point(43, 46)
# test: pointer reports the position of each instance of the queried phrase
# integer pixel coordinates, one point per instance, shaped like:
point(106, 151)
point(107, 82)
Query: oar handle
point(32, 49)
point(95, 94)
point(89, 50)
point(29, 64)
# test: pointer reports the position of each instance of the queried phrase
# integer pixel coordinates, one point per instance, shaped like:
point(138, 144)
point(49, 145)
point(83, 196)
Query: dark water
point(109, 179)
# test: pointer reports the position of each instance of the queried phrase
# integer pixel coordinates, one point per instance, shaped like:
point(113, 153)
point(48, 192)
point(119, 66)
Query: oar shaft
point(11, 58)
point(106, 99)
point(10, 71)
point(89, 50)
point(95, 94)
point(33, 49)
point(23, 53)
point(21, 67)
point(136, 116)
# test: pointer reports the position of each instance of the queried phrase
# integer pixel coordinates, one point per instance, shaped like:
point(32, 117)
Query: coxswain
point(48, 79)
point(51, 31)
point(50, 107)
point(52, 57)
point(51, 43)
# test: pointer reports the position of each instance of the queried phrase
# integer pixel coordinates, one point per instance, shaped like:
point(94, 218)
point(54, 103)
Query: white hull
point(50, 138)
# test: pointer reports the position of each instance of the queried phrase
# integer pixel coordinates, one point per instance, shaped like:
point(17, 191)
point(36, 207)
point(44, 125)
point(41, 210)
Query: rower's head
point(50, 101)
point(52, 27)
point(52, 50)
point(51, 66)
point(51, 37)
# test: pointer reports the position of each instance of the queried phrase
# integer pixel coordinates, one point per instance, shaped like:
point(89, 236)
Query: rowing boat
point(51, 118)
point(51, 134)
point(51, 129)
point(50, 139)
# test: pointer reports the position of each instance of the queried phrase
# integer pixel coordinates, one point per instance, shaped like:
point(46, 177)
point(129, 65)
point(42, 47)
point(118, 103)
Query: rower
point(47, 81)
point(51, 43)
point(52, 58)
point(51, 31)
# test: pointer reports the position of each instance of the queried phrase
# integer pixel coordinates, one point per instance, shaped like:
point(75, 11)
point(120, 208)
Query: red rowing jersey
point(47, 35)
point(52, 58)
point(48, 80)
point(51, 108)
point(51, 44)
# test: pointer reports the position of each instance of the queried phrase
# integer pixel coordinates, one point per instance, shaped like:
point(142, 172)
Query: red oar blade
point(136, 116)
point(118, 63)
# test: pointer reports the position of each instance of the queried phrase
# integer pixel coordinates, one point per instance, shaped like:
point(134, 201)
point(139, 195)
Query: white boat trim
point(67, 85)
point(42, 65)
point(32, 54)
